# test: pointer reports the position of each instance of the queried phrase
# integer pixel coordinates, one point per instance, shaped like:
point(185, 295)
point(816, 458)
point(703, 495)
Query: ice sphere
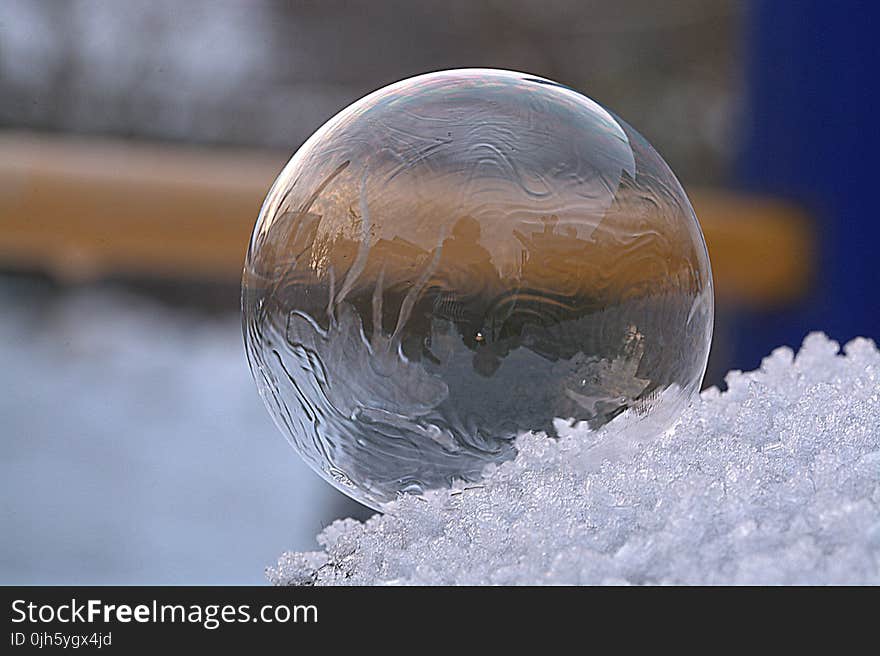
point(463, 256)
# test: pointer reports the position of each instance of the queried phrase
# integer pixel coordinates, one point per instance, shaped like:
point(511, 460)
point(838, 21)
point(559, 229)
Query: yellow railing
point(81, 209)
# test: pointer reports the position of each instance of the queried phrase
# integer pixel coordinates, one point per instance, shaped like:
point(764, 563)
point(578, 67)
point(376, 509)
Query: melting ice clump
point(774, 481)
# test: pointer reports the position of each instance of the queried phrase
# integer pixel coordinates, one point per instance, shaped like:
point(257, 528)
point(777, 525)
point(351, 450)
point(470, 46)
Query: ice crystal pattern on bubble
point(461, 257)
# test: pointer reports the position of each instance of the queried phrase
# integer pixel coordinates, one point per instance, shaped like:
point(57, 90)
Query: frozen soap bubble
point(463, 256)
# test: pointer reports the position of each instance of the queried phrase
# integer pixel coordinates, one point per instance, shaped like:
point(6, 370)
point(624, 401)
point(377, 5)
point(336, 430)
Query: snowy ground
point(776, 480)
point(134, 448)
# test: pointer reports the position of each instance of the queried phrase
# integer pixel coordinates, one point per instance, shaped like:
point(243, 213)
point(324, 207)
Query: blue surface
point(811, 134)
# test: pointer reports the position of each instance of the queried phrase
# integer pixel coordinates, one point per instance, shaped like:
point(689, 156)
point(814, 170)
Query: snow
point(774, 481)
point(134, 447)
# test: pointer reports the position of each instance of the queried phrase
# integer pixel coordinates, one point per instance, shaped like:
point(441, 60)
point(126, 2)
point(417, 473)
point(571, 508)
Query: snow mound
point(774, 481)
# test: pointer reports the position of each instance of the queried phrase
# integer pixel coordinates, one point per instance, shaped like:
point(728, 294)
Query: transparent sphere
point(463, 256)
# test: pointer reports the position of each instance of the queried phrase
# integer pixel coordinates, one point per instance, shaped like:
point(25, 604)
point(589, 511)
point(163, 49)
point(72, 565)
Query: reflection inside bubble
point(458, 258)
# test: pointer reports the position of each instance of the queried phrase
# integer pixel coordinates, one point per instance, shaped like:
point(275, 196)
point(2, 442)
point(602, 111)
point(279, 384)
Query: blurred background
point(137, 141)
